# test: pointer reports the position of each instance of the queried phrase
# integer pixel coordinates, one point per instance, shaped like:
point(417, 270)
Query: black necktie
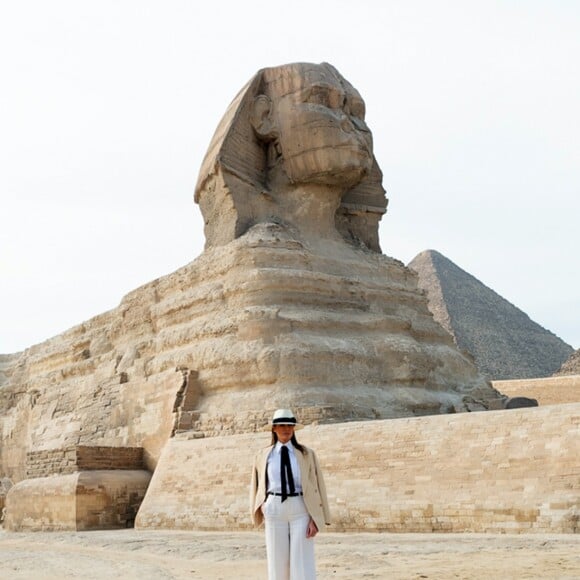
point(286, 472)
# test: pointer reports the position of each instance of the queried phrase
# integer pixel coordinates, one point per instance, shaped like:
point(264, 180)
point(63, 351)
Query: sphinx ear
point(261, 118)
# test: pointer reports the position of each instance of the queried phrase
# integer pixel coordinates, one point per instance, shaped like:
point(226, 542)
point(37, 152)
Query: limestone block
point(91, 500)
point(108, 458)
point(47, 504)
point(109, 499)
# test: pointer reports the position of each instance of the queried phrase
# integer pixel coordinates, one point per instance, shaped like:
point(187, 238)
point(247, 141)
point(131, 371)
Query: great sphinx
point(318, 318)
point(291, 305)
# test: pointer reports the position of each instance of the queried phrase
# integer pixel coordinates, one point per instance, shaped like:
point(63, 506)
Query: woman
point(288, 494)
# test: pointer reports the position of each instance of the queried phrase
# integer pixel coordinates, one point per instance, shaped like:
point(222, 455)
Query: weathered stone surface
point(47, 503)
point(82, 458)
point(571, 366)
point(266, 321)
point(503, 340)
point(56, 400)
point(84, 500)
point(293, 148)
point(5, 485)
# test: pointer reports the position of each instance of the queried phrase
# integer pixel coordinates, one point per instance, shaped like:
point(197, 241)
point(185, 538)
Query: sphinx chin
point(342, 166)
point(346, 178)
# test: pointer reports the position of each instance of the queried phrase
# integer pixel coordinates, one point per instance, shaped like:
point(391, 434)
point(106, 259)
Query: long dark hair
point(294, 442)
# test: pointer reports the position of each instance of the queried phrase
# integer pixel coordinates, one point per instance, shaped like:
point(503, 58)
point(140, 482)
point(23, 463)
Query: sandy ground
point(164, 555)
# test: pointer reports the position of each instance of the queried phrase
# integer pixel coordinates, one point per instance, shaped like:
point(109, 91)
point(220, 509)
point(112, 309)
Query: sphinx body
point(339, 333)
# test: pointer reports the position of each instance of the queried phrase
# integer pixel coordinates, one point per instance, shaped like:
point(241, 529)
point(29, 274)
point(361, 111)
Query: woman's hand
point(311, 530)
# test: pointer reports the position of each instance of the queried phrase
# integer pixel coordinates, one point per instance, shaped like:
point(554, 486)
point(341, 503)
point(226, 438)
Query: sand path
point(145, 555)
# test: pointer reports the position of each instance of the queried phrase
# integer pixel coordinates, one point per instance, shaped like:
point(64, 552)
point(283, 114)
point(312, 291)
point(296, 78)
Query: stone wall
point(66, 407)
point(108, 499)
point(50, 462)
point(107, 458)
point(499, 471)
point(84, 500)
point(46, 503)
point(548, 391)
point(80, 458)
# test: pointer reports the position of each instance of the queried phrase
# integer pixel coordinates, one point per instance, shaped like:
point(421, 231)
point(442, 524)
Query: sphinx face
point(321, 132)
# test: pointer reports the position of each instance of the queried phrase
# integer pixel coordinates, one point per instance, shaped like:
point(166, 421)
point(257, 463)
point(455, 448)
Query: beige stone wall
point(50, 462)
point(500, 471)
point(84, 500)
point(79, 458)
point(46, 503)
point(57, 415)
point(109, 458)
point(548, 391)
point(108, 499)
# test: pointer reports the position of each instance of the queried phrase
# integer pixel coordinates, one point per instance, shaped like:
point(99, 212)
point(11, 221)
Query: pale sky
point(107, 108)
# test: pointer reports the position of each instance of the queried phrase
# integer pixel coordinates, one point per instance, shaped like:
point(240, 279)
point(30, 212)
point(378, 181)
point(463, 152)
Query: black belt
point(287, 495)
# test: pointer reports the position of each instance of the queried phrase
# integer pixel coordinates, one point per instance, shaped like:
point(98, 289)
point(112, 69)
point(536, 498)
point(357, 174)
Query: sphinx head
point(313, 122)
point(292, 128)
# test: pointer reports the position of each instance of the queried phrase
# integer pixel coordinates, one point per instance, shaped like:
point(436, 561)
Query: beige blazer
point(313, 486)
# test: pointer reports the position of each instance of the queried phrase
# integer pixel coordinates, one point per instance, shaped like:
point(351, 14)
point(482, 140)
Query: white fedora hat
point(284, 417)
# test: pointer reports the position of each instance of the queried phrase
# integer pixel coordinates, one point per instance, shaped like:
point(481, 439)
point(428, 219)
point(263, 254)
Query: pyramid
point(571, 366)
point(504, 341)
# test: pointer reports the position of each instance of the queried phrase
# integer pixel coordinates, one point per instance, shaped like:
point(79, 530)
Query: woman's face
point(284, 432)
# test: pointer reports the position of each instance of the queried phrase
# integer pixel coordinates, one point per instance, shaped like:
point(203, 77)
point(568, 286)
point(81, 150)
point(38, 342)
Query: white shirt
point(273, 468)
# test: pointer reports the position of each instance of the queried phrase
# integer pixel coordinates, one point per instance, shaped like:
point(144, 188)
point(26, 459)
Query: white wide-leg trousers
point(290, 553)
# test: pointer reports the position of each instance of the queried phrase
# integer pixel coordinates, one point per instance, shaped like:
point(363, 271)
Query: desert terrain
point(165, 555)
